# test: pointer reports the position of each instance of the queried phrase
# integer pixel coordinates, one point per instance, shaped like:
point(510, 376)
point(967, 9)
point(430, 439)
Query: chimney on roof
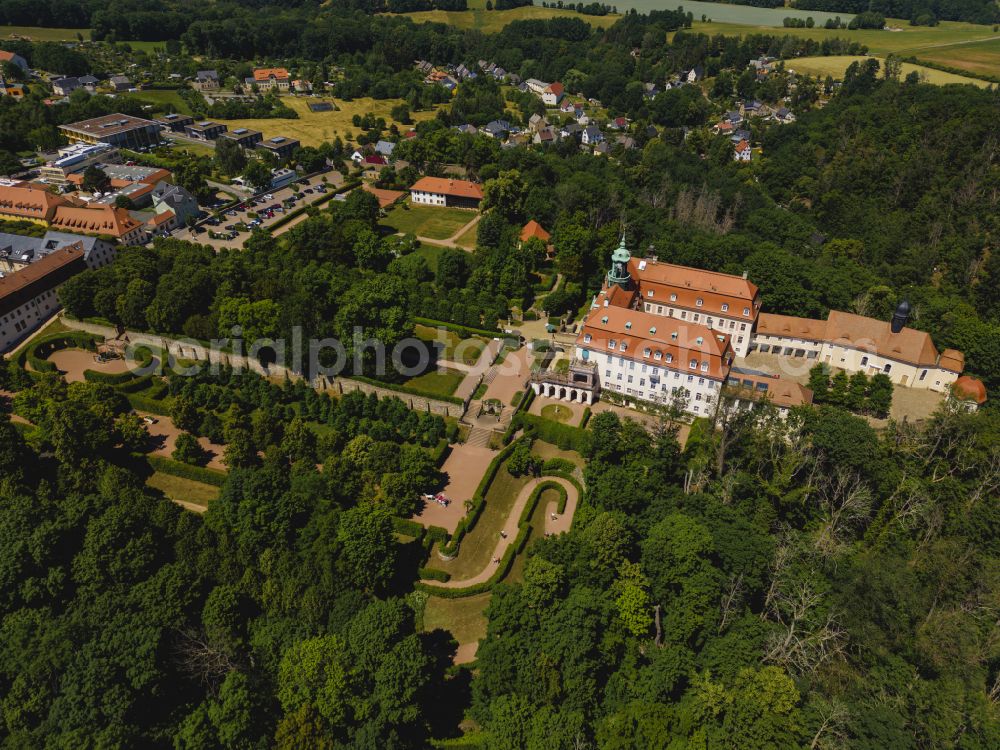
point(900, 317)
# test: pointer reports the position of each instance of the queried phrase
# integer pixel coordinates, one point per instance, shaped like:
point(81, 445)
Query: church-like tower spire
point(619, 266)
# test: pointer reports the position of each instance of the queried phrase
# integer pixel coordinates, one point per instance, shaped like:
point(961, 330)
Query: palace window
point(612, 344)
point(673, 297)
point(699, 302)
point(693, 364)
point(725, 307)
point(646, 352)
point(746, 310)
point(586, 338)
point(670, 358)
point(659, 355)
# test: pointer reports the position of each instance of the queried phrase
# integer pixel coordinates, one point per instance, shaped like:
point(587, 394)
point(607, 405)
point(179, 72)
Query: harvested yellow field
point(837, 64)
point(313, 128)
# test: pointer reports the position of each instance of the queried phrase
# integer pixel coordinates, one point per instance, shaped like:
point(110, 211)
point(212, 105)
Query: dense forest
point(974, 11)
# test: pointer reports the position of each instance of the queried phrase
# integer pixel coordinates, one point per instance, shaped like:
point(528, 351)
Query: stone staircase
point(490, 375)
point(479, 437)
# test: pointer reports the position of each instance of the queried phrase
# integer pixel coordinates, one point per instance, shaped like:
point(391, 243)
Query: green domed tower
point(619, 266)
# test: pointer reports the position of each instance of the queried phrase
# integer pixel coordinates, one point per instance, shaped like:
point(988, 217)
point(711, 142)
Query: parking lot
point(234, 227)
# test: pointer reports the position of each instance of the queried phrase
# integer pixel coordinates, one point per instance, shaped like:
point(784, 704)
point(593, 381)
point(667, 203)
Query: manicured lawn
point(312, 128)
point(442, 382)
point(160, 98)
point(557, 413)
point(428, 221)
point(478, 546)
point(836, 65)
point(467, 350)
point(464, 618)
point(39, 34)
point(430, 253)
point(548, 450)
point(467, 239)
point(537, 522)
point(186, 490)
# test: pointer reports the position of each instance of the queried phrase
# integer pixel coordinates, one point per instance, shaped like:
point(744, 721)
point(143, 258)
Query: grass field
point(428, 221)
point(537, 522)
point(312, 128)
point(468, 238)
point(557, 412)
point(476, 550)
point(39, 34)
point(467, 352)
point(185, 490)
point(161, 98)
point(440, 382)
point(464, 618)
point(837, 64)
point(946, 44)
point(975, 57)
point(492, 21)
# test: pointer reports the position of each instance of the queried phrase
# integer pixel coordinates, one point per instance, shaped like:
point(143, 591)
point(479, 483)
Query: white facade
point(852, 360)
point(428, 199)
point(738, 324)
point(22, 321)
point(656, 380)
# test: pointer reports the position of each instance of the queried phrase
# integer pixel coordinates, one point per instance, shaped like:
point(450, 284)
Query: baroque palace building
point(665, 333)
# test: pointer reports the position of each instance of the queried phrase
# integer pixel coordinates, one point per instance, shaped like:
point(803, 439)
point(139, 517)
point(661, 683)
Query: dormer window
point(673, 297)
point(746, 311)
point(649, 293)
point(646, 352)
point(673, 336)
point(693, 364)
point(658, 355)
point(699, 341)
point(604, 319)
point(725, 307)
point(670, 358)
point(699, 302)
point(586, 338)
point(704, 366)
point(624, 346)
point(628, 325)
point(653, 329)
point(612, 344)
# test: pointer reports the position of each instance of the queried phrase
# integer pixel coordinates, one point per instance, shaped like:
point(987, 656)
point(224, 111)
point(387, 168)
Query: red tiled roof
point(970, 388)
point(29, 201)
point(556, 88)
point(385, 197)
point(534, 229)
point(642, 331)
point(44, 274)
point(742, 146)
point(263, 74)
point(779, 392)
point(95, 220)
point(445, 186)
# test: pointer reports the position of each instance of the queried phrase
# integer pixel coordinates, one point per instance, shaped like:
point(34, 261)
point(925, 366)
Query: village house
point(441, 191)
point(591, 136)
point(267, 79)
point(552, 94)
point(206, 80)
point(120, 83)
point(14, 59)
point(741, 151)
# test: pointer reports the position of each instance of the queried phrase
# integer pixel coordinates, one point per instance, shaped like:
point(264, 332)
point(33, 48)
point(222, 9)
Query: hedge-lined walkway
point(510, 528)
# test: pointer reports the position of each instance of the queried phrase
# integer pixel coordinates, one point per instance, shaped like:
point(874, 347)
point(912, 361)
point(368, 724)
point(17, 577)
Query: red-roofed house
point(552, 94)
point(969, 391)
point(442, 191)
point(13, 57)
point(266, 79)
point(741, 151)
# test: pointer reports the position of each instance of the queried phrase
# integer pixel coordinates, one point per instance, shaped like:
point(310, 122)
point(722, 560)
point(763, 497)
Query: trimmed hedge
point(498, 575)
point(439, 452)
point(407, 390)
point(560, 465)
point(476, 504)
point(187, 471)
point(464, 331)
point(529, 507)
point(289, 216)
point(587, 414)
point(38, 351)
point(563, 435)
point(408, 527)
point(110, 378)
point(144, 403)
point(434, 574)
